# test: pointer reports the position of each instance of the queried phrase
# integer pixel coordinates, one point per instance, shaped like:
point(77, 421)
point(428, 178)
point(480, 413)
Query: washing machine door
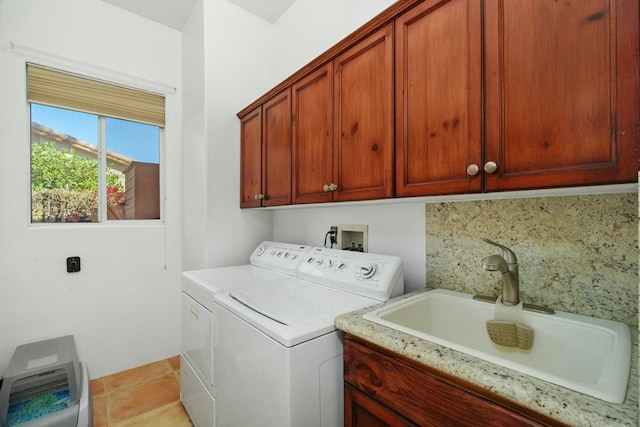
point(291, 311)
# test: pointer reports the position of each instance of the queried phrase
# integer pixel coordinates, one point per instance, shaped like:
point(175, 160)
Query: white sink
point(585, 354)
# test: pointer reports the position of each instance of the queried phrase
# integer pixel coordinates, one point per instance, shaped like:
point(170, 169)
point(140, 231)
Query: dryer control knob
point(368, 271)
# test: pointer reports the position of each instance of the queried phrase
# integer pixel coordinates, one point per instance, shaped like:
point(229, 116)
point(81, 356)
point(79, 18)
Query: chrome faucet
point(507, 264)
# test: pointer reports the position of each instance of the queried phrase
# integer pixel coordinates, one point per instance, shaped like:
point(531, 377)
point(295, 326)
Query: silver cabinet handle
point(329, 187)
point(490, 167)
point(473, 169)
point(259, 196)
point(325, 188)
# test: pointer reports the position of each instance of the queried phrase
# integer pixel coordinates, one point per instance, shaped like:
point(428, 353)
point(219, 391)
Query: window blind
point(57, 88)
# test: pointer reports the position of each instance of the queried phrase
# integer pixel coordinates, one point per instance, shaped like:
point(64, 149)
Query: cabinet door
point(561, 92)
point(276, 150)
point(363, 108)
point(251, 159)
point(312, 133)
point(361, 410)
point(414, 394)
point(438, 98)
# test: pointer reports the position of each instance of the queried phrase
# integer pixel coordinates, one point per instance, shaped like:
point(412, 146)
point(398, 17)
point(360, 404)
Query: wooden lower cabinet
point(363, 410)
point(384, 390)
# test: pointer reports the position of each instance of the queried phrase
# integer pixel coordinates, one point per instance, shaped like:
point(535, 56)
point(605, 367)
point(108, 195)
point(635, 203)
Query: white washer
point(279, 355)
point(270, 261)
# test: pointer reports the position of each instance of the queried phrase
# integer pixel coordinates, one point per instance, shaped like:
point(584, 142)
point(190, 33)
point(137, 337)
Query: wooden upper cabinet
point(561, 96)
point(363, 111)
point(312, 136)
point(438, 98)
point(265, 153)
point(276, 150)
point(251, 159)
point(454, 96)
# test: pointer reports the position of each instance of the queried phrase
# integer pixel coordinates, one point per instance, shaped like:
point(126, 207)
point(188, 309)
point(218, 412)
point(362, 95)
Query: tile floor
point(148, 395)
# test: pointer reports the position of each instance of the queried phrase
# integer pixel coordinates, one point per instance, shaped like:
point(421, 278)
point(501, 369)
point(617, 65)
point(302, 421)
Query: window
point(95, 149)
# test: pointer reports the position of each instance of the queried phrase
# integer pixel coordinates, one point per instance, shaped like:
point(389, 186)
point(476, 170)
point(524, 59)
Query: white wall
point(237, 47)
point(245, 57)
point(123, 307)
point(310, 27)
point(225, 50)
point(194, 155)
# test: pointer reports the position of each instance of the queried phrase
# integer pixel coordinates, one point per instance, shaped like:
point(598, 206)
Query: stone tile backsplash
point(577, 254)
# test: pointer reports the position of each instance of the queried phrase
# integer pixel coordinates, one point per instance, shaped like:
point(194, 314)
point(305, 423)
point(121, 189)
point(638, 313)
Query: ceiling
point(269, 10)
point(174, 13)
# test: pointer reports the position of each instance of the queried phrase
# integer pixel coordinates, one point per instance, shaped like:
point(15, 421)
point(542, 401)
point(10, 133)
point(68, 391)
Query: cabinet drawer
point(418, 395)
point(197, 337)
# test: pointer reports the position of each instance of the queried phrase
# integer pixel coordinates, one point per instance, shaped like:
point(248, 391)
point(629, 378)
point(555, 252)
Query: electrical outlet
point(334, 234)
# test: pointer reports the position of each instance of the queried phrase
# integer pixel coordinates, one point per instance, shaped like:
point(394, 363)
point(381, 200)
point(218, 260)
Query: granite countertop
point(549, 399)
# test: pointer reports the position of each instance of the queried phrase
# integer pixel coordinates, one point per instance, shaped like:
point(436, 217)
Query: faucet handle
point(507, 253)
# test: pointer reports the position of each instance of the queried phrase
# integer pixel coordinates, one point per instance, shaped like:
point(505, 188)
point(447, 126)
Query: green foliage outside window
point(64, 185)
point(53, 168)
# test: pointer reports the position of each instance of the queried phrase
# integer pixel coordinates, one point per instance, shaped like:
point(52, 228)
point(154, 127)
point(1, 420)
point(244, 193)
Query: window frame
point(116, 79)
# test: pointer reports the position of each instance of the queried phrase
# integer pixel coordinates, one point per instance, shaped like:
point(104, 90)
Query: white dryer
point(279, 355)
point(270, 261)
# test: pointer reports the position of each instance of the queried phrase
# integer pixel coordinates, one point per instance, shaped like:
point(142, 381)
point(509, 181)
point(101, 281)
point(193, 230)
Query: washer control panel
point(281, 257)
point(376, 276)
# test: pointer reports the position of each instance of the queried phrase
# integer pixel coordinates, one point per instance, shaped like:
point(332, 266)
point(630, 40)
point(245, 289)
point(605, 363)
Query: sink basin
point(585, 354)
